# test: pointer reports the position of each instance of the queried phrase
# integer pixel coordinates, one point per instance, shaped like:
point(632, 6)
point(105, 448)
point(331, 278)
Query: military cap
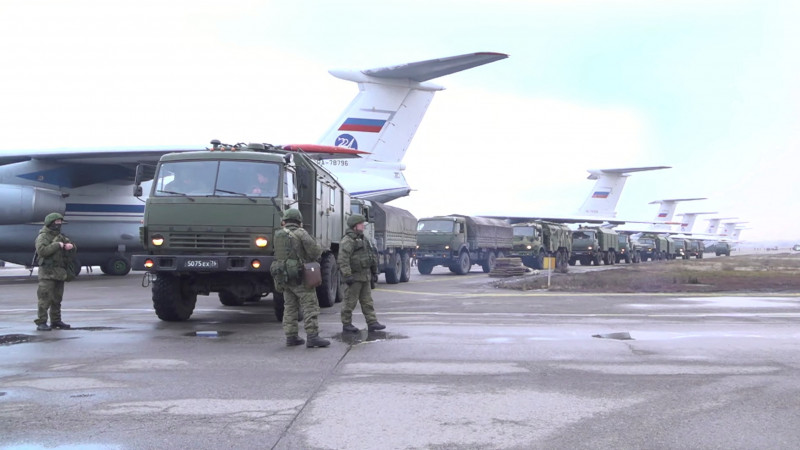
point(354, 220)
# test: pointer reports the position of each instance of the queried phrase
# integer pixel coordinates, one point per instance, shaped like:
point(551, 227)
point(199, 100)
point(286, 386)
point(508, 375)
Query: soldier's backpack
point(286, 269)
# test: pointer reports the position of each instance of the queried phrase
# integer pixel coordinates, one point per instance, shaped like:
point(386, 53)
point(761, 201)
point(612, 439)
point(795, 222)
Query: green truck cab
point(722, 248)
point(591, 245)
point(210, 218)
point(533, 241)
point(458, 241)
point(625, 250)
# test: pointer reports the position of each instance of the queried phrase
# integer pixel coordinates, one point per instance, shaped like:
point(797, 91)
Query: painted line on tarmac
point(595, 294)
point(585, 315)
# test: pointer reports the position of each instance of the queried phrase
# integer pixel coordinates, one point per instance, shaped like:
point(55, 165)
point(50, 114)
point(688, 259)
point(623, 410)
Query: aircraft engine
point(24, 204)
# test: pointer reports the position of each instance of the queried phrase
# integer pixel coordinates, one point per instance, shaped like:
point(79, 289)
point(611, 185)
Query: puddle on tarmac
point(11, 339)
point(621, 336)
point(212, 334)
point(367, 336)
point(94, 328)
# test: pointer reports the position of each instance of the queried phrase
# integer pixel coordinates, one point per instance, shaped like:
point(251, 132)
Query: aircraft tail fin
point(385, 115)
point(605, 194)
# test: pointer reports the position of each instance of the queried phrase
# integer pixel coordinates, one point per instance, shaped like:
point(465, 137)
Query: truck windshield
point(217, 178)
point(436, 226)
point(583, 237)
point(647, 241)
point(523, 233)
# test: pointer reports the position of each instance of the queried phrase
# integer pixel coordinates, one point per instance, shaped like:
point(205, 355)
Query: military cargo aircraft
point(93, 187)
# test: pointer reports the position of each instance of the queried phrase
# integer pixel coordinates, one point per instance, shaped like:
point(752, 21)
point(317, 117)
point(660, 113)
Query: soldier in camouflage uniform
point(53, 250)
point(359, 267)
point(294, 244)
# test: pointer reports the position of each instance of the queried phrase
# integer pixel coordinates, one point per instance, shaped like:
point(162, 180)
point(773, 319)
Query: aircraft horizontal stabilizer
point(435, 68)
point(594, 174)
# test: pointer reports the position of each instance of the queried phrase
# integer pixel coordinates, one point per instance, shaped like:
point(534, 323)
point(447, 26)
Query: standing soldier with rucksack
point(293, 248)
point(55, 255)
point(359, 266)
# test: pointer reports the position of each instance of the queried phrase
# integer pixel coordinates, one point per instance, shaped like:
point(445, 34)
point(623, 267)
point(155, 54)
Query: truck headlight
point(157, 240)
point(528, 247)
point(261, 241)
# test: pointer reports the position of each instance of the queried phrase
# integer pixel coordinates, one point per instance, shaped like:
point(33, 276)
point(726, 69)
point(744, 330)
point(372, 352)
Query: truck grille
point(209, 241)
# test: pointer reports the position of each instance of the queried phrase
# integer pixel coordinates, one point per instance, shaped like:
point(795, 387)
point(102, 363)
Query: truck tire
point(405, 274)
point(572, 261)
point(627, 258)
point(116, 266)
point(538, 260)
point(229, 299)
point(597, 258)
point(611, 258)
point(326, 292)
point(172, 299)
point(489, 262)
point(425, 267)
point(277, 304)
point(463, 265)
point(393, 270)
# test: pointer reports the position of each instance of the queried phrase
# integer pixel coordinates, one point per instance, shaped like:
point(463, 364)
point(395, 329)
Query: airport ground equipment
point(214, 233)
point(591, 245)
point(535, 240)
point(393, 233)
point(458, 241)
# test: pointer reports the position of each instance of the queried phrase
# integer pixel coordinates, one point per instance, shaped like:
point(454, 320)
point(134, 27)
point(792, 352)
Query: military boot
point(315, 341)
point(375, 326)
point(43, 327)
point(291, 341)
point(60, 324)
point(349, 328)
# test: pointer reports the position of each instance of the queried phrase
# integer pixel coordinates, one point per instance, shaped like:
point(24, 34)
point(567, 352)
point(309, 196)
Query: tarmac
point(461, 365)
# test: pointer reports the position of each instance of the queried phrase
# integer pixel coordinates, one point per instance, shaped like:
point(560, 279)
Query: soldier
point(359, 267)
point(294, 247)
point(55, 251)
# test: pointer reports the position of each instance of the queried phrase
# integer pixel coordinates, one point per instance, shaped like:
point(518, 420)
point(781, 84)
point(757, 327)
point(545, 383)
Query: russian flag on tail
point(366, 125)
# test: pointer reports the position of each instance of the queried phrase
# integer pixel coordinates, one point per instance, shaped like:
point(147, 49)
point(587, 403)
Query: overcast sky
point(707, 87)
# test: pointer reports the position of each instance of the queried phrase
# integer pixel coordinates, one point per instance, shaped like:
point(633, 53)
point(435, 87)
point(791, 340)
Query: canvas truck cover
point(394, 227)
point(555, 236)
point(486, 233)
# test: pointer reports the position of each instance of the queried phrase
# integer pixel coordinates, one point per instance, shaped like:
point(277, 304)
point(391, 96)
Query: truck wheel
point(611, 258)
point(627, 258)
point(539, 260)
point(326, 292)
point(117, 266)
point(425, 267)
point(489, 262)
point(572, 261)
point(394, 269)
point(405, 273)
point(277, 303)
point(597, 259)
point(228, 299)
point(464, 264)
point(172, 299)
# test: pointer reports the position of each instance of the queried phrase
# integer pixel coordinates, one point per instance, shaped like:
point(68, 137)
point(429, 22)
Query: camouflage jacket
point(52, 259)
point(356, 257)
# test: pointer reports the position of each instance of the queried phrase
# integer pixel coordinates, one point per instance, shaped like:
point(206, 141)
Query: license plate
point(427, 255)
point(201, 263)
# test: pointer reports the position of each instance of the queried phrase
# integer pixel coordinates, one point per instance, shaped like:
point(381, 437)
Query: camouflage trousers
point(295, 298)
point(359, 291)
point(49, 294)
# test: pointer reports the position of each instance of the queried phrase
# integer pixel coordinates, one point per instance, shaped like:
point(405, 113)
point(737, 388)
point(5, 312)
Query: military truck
point(210, 218)
point(591, 245)
point(625, 250)
point(722, 248)
point(457, 242)
point(533, 241)
point(393, 233)
point(695, 247)
point(645, 246)
point(679, 248)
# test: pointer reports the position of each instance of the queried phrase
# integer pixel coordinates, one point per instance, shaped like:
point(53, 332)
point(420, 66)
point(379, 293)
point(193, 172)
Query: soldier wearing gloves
point(55, 255)
point(359, 266)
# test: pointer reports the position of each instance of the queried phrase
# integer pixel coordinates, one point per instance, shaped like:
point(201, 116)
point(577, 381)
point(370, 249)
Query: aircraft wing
point(111, 155)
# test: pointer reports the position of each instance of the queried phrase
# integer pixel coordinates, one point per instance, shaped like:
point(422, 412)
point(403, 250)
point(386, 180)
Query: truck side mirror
point(144, 172)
